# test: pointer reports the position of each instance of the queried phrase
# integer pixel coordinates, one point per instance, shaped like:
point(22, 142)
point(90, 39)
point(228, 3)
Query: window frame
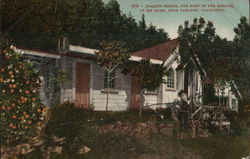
point(105, 80)
point(174, 78)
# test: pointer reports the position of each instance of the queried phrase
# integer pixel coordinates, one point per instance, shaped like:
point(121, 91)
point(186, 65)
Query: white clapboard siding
point(119, 100)
point(150, 99)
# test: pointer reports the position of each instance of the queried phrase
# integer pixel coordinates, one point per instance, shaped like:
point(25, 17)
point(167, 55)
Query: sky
point(224, 21)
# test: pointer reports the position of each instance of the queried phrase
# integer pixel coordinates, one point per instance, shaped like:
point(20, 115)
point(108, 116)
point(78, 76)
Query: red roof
point(158, 52)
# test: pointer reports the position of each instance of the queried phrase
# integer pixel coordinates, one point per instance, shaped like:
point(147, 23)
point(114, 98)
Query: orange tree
point(21, 109)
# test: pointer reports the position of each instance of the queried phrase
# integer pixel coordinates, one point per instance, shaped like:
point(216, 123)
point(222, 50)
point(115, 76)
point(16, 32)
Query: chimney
point(63, 45)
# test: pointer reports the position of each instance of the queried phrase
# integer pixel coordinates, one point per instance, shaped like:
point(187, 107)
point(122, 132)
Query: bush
point(21, 109)
point(239, 122)
point(65, 121)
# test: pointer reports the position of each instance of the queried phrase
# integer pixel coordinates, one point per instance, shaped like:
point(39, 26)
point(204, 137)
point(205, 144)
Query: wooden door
point(135, 93)
point(82, 84)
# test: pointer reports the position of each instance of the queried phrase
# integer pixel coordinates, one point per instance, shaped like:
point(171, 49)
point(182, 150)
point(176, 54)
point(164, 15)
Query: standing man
point(184, 112)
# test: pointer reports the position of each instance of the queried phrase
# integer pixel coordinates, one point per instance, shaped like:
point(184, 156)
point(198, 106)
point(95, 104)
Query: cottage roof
point(158, 52)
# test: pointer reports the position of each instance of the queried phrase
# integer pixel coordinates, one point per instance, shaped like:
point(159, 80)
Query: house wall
point(170, 95)
point(167, 95)
point(119, 98)
point(67, 90)
point(232, 101)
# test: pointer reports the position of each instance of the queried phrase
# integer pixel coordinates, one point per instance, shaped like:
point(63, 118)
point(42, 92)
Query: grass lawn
point(160, 147)
point(73, 123)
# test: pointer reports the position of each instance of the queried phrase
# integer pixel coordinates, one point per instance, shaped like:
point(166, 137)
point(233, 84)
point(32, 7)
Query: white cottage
point(86, 85)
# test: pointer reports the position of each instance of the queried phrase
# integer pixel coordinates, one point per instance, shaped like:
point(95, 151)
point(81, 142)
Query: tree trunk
point(107, 98)
point(193, 129)
point(141, 102)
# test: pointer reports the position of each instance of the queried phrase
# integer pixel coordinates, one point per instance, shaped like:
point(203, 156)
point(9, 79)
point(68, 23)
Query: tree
point(84, 22)
point(21, 108)
point(242, 42)
point(150, 76)
point(224, 61)
point(199, 40)
point(111, 58)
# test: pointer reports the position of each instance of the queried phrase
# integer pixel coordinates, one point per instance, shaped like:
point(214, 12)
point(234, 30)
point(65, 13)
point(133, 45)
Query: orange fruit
point(12, 90)
point(2, 107)
point(14, 117)
point(10, 86)
point(14, 86)
point(27, 116)
point(33, 99)
point(38, 110)
point(8, 108)
point(11, 124)
point(29, 122)
point(13, 105)
point(27, 92)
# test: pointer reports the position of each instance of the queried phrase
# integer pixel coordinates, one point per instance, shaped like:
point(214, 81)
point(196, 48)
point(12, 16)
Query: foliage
point(150, 79)
point(113, 55)
point(240, 123)
point(209, 94)
point(200, 39)
point(84, 22)
point(21, 108)
point(221, 59)
point(111, 58)
point(242, 42)
point(79, 126)
point(65, 121)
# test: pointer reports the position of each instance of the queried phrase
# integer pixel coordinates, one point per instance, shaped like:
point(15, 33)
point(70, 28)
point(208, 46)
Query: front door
point(82, 84)
point(135, 93)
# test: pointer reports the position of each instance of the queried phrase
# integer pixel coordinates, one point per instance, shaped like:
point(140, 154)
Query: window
point(111, 83)
point(171, 79)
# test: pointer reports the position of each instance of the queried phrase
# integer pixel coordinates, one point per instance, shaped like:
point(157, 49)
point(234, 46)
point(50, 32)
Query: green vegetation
point(21, 109)
point(122, 147)
point(38, 24)
point(71, 122)
point(216, 147)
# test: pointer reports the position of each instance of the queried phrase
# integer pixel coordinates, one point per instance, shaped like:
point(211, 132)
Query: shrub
point(68, 121)
point(21, 109)
point(65, 121)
